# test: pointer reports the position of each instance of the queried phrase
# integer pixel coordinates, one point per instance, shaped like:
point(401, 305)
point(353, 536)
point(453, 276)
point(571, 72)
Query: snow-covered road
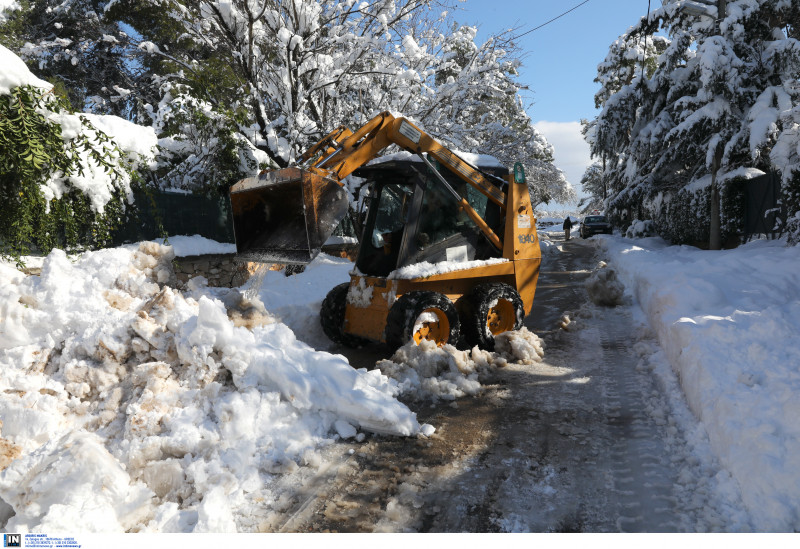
point(587, 440)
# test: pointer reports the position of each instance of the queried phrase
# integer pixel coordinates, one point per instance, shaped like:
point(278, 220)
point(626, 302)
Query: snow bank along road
point(129, 406)
point(728, 322)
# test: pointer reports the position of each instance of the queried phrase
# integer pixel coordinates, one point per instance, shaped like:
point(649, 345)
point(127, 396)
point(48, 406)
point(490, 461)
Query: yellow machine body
point(366, 318)
point(284, 216)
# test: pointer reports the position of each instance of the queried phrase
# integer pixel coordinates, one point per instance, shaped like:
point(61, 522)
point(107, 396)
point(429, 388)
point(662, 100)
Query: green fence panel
point(179, 214)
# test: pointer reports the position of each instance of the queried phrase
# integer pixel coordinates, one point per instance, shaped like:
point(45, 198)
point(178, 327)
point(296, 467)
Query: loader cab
point(412, 218)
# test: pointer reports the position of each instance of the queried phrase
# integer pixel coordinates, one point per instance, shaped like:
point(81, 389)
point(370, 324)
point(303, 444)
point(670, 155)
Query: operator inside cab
point(413, 218)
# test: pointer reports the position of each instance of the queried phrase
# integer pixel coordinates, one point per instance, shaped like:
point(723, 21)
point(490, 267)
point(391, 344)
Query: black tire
point(331, 317)
point(403, 315)
point(490, 309)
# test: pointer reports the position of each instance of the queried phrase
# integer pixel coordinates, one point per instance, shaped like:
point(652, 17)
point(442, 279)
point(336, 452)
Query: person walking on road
point(567, 227)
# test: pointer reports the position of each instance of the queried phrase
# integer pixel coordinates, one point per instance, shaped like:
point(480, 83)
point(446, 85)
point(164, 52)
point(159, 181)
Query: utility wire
point(553, 19)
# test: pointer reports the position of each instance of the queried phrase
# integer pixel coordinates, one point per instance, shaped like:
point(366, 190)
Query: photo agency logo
point(12, 540)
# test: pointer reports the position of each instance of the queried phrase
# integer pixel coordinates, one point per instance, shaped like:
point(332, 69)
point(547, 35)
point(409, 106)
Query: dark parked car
point(594, 224)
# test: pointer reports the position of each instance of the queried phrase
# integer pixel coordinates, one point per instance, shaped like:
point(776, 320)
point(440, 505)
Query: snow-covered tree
point(721, 97)
point(624, 61)
point(546, 183)
point(73, 45)
point(230, 86)
point(474, 103)
point(285, 72)
point(593, 183)
point(297, 69)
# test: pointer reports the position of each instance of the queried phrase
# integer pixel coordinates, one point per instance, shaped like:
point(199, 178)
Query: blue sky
point(560, 60)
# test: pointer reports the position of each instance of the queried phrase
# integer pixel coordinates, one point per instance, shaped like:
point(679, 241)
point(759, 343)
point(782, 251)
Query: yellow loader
point(449, 248)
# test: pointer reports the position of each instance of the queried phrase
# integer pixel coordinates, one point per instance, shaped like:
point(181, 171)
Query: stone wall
point(219, 269)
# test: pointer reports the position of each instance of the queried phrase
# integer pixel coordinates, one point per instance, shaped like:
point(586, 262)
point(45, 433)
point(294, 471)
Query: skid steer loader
point(449, 248)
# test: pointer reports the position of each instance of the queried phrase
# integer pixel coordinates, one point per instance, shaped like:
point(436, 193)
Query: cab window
point(382, 238)
point(444, 231)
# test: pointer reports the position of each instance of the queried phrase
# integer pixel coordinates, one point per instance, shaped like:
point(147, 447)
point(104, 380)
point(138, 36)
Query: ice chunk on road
point(604, 287)
point(426, 371)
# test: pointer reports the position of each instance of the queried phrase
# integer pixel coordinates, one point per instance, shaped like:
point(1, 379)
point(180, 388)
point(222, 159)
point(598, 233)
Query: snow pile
point(604, 287)
point(197, 245)
point(521, 346)
point(296, 300)
point(425, 269)
point(426, 371)
point(430, 372)
point(640, 229)
point(74, 480)
point(728, 323)
point(131, 406)
point(15, 72)
point(546, 244)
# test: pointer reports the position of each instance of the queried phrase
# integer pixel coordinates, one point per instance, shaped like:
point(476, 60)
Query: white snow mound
point(426, 371)
point(604, 287)
point(129, 406)
point(728, 321)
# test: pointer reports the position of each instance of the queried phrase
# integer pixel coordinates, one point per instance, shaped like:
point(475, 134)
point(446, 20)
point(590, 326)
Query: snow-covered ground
point(128, 405)
point(728, 322)
point(183, 246)
point(122, 396)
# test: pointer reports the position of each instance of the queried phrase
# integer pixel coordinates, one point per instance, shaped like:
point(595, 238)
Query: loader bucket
point(285, 216)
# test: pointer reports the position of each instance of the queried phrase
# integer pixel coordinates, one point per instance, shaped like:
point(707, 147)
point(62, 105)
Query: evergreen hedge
point(683, 216)
point(790, 195)
point(32, 150)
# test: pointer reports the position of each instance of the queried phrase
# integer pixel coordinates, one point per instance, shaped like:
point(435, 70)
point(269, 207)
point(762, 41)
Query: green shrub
point(32, 151)
point(790, 196)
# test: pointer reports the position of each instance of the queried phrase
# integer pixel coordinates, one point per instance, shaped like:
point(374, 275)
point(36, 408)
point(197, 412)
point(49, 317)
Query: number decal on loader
point(527, 239)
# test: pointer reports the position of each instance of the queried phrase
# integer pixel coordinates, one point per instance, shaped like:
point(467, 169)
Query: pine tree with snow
point(720, 102)
point(73, 45)
point(593, 183)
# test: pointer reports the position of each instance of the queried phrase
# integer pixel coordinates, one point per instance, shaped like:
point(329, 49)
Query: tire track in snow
point(589, 440)
point(641, 477)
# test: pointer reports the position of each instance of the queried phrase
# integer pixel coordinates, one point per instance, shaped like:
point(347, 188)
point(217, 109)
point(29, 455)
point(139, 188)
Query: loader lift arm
point(341, 152)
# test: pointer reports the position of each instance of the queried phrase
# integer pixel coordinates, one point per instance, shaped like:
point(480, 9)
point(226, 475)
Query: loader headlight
point(519, 173)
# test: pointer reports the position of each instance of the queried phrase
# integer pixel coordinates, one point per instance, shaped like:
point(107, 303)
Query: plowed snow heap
point(128, 406)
